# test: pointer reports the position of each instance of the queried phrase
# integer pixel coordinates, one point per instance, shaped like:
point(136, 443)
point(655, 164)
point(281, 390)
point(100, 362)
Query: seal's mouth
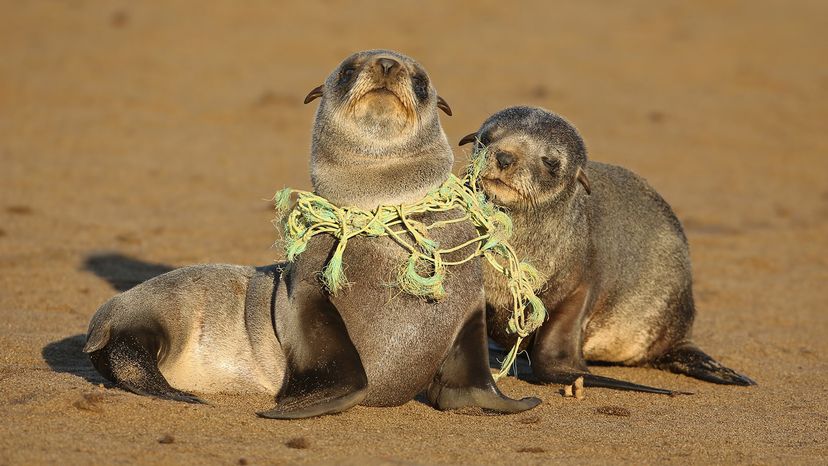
point(382, 107)
point(383, 91)
point(499, 190)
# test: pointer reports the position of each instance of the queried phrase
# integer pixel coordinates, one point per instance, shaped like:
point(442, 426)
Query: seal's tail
point(688, 359)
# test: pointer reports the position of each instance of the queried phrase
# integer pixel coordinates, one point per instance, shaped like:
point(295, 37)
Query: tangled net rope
point(422, 274)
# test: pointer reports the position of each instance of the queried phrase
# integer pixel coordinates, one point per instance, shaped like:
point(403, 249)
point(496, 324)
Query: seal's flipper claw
point(464, 379)
point(688, 359)
point(324, 372)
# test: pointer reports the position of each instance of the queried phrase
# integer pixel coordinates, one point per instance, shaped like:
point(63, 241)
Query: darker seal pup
point(611, 251)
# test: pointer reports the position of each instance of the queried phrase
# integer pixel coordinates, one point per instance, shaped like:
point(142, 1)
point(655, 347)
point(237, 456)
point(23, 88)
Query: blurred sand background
point(139, 136)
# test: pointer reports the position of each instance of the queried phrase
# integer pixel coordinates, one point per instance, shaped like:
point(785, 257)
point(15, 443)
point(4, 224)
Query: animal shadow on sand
point(67, 356)
point(521, 366)
point(122, 272)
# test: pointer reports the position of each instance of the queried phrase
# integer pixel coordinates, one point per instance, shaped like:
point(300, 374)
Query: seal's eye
point(419, 83)
point(346, 74)
point(552, 164)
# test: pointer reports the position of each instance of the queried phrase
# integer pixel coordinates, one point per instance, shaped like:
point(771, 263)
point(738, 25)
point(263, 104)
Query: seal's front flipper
point(592, 380)
point(314, 404)
point(464, 379)
point(324, 372)
point(688, 359)
point(129, 359)
point(557, 352)
point(598, 381)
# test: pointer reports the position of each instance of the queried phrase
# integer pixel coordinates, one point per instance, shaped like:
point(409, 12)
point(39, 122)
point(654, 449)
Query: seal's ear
point(314, 94)
point(467, 139)
point(443, 105)
point(582, 178)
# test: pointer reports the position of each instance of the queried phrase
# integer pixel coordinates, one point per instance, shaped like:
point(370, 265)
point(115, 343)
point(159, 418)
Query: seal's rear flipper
point(130, 361)
point(464, 379)
point(324, 371)
point(688, 359)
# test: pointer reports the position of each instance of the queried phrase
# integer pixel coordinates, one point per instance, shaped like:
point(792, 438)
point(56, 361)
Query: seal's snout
point(387, 65)
point(504, 159)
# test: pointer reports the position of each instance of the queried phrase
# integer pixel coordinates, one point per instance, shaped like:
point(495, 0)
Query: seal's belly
point(622, 334)
point(218, 368)
point(615, 345)
point(402, 344)
point(402, 340)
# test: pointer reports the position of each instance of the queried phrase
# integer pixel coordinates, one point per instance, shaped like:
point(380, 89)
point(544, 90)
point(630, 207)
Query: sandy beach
point(140, 137)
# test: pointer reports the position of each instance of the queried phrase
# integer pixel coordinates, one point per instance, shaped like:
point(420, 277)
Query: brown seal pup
point(611, 251)
point(377, 140)
point(204, 328)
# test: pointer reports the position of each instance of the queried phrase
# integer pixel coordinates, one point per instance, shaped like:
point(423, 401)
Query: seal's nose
point(388, 64)
point(504, 160)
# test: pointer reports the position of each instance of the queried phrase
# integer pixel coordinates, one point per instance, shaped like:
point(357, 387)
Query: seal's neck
point(349, 174)
point(549, 235)
point(368, 182)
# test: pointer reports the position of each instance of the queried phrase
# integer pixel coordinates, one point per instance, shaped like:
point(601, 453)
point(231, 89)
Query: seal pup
point(377, 139)
point(204, 328)
point(613, 256)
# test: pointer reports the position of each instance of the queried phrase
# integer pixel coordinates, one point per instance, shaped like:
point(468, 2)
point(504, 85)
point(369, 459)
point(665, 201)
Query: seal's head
point(377, 138)
point(533, 157)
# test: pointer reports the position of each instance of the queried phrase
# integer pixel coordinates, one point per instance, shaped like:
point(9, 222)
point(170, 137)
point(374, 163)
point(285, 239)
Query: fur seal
point(377, 139)
point(611, 251)
point(204, 328)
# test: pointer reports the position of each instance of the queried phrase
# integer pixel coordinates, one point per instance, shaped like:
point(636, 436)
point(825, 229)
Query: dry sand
point(135, 138)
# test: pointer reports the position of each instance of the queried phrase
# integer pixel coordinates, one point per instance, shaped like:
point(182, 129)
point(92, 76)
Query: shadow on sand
point(66, 356)
point(122, 272)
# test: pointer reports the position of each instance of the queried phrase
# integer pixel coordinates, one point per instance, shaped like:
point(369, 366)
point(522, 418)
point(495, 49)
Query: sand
point(135, 138)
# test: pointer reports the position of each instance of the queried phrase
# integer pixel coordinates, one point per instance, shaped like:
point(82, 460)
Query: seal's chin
point(500, 192)
point(384, 99)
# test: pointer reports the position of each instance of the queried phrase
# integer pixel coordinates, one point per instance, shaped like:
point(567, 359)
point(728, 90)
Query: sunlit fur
point(375, 141)
point(528, 183)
